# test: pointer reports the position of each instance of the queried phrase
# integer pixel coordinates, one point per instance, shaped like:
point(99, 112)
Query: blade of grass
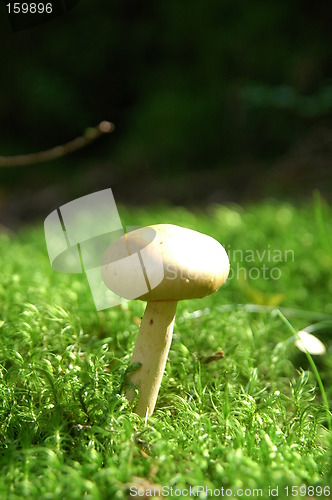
point(314, 369)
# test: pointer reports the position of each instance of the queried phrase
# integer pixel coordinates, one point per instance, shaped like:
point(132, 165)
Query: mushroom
point(160, 264)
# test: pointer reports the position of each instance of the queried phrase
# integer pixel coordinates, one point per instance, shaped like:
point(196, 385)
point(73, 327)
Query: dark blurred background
point(213, 101)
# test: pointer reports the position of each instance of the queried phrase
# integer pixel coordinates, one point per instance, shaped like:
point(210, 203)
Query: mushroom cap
point(164, 262)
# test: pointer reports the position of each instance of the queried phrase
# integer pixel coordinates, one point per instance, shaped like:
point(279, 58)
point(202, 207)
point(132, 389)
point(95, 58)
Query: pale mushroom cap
point(165, 262)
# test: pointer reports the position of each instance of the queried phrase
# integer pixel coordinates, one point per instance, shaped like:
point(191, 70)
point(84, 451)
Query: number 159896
point(29, 8)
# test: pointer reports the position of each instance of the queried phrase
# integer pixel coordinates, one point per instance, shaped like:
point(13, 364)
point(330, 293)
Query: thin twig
point(89, 136)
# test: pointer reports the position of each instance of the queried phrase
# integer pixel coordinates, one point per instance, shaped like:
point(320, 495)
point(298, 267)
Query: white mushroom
point(177, 264)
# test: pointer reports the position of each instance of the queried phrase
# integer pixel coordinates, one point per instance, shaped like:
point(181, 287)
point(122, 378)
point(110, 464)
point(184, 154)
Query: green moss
point(251, 419)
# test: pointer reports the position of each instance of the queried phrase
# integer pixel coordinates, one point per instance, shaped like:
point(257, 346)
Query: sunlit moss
point(248, 419)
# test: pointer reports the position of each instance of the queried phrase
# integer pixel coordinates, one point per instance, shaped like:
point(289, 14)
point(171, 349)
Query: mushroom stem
point(151, 349)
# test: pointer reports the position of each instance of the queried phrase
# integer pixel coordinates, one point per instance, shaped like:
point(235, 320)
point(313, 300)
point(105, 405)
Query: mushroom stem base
point(151, 350)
